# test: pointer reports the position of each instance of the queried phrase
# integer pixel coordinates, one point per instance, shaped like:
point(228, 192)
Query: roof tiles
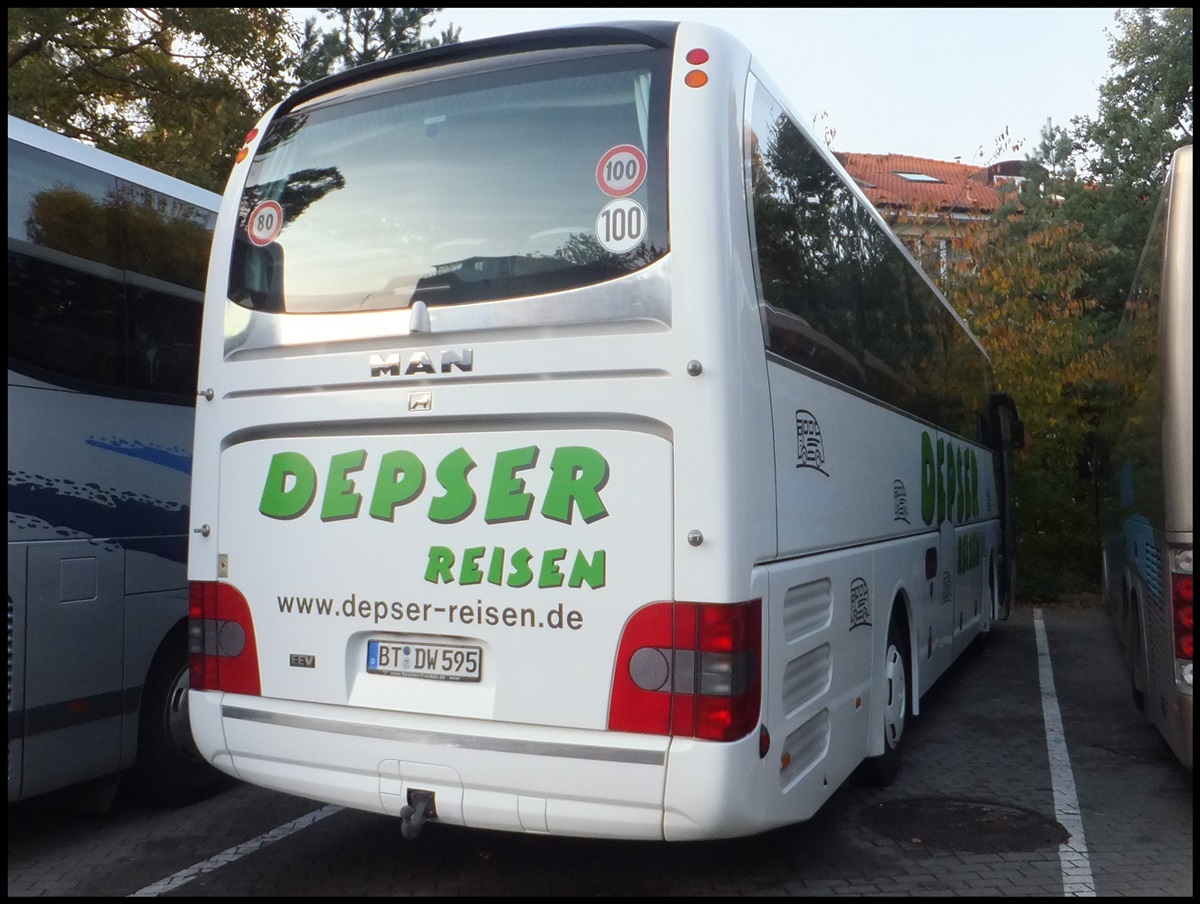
point(960, 187)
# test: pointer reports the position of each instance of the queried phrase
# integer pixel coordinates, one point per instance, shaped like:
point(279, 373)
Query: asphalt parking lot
point(1028, 773)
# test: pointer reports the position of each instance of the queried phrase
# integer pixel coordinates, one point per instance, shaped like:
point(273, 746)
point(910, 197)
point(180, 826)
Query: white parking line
point(1073, 856)
point(234, 853)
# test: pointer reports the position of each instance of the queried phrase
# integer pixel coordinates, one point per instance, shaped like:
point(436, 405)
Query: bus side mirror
point(1005, 431)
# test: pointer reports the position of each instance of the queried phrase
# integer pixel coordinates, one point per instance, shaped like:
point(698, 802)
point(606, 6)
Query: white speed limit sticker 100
point(621, 225)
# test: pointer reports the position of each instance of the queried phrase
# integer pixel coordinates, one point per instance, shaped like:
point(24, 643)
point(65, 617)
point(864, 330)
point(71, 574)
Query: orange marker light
point(695, 79)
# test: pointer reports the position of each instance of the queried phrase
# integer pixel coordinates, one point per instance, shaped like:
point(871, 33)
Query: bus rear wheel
point(170, 770)
point(880, 771)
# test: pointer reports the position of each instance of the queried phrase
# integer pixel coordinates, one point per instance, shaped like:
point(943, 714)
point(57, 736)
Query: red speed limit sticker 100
point(265, 222)
point(621, 170)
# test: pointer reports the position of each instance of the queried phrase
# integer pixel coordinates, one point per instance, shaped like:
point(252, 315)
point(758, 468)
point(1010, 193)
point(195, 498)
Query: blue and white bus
point(579, 451)
point(1148, 499)
point(106, 267)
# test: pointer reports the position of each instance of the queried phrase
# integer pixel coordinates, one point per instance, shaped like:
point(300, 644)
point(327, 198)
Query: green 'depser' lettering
point(949, 481)
point(577, 476)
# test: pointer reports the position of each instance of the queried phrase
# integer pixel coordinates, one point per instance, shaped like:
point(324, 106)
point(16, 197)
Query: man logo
point(422, 362)
point(810, 451)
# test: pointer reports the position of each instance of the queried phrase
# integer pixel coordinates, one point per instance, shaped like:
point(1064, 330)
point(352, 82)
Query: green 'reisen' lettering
point(445, 566)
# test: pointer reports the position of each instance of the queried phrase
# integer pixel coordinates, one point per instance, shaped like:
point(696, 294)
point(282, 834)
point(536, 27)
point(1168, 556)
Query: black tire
point(170, 770)
point(880, 771)
point(1134, 633)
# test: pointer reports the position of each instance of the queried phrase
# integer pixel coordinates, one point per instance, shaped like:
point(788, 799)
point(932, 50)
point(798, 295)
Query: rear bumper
point(483, 774)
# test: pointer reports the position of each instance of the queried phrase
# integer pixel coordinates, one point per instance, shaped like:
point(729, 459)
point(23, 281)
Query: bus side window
point(808, 249)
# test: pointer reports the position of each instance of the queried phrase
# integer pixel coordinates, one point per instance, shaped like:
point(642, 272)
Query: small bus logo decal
point(810, 450)
point(860, 604)
point(900, 501)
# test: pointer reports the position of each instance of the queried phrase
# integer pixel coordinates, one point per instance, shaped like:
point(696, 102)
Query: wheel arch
point(881, 764)
point(169, 770)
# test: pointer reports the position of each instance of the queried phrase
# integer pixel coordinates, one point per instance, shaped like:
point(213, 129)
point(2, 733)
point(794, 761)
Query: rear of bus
point(1169, 627)
point(470, 467)
point(1148, 452)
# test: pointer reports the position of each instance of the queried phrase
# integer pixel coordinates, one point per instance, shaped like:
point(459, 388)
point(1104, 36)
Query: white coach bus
point(106, 268)
point(1147, 551)
point(578, 451)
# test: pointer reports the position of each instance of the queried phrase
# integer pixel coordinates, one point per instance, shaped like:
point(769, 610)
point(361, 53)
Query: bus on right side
point(1147, 505)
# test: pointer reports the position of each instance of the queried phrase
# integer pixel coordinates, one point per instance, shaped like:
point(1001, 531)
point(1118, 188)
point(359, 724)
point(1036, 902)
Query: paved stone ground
point(972, 814)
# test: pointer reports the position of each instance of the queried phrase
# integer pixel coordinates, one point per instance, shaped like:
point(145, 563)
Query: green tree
point(1021, 291)
point(355, 36)
point(1047, 276)
point(174, 89)
point(1145, 109)
point(1145, 112)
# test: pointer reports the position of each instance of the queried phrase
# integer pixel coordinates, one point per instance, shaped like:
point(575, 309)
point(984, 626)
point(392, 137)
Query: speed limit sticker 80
point(621, 225)
point(266, 220)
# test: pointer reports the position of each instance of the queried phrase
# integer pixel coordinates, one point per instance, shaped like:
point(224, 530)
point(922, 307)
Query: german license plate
point(442, 662)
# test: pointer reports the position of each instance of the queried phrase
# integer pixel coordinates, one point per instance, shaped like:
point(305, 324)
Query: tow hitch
point(420, 807)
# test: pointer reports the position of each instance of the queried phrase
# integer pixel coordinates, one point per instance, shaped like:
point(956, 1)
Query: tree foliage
point(174, 89)
point(1020, 289)
point(355, 36)
point(1145, 112)
point(1145, 108)
point(1044, 280)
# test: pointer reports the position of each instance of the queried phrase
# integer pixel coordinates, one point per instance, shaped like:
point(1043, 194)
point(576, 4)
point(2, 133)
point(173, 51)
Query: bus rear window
point(492, 185)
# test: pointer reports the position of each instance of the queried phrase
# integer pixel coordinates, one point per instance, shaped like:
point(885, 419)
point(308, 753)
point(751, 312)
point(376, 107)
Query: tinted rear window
point(491, 185)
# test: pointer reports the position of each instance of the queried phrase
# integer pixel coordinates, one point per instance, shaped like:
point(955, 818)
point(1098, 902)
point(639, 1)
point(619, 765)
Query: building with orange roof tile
point(928, 202)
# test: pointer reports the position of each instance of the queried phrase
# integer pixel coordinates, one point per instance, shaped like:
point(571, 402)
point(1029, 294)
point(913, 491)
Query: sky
point(943, 83)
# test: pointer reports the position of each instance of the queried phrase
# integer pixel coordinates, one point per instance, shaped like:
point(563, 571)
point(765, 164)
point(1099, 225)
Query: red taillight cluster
point(689, 670)
point(1181, 602)
point(222, 652)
